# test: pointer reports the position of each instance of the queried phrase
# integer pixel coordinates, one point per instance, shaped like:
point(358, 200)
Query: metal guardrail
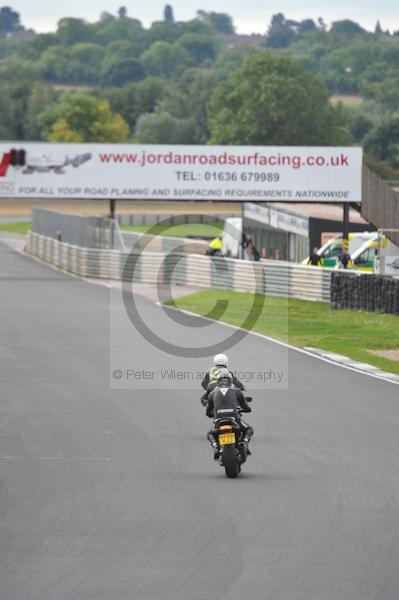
point(275, 278)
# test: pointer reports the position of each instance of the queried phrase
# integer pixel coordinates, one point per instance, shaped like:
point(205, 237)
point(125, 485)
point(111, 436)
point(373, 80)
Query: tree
point(382, 142)
point(231, 59)
point(280, 33)
point(201, 47)
point(307, 26)
point(116, 51)
point(106, 17)
point(87, 53)
point(196, 26)
point(122, 12)
point(83, 62)
point(189, 102)
point(41, 96)
point(378, 28)
point(163, 59)
point(72, 31)
point(387, 94)
point(220, 21)
point(54, 64)
point(273, 100)
point(160, 31)
point(125, 70)
point(122, 29)
point(41, 42)
point(360, 127)
point(78, 117)
point(135, 99)
point(280, 37)
point(162, 128)
point(9, 21)
point(13, 103)
point(18, 112)
point(7, 126)
point(321, 24)
point(198, 95)
point(278, 20)
point(346, 28)
point(168, 16)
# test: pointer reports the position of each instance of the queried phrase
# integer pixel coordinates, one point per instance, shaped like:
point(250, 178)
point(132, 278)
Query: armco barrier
point(374, 293)
point(274, 278)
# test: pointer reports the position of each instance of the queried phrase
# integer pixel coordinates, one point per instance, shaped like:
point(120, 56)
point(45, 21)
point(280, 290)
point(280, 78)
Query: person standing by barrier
point(250, 248)
point(343, 260)
point(315, 259)
point(215, 247)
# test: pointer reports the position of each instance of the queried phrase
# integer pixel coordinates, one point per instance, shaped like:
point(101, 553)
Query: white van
point(366, 257)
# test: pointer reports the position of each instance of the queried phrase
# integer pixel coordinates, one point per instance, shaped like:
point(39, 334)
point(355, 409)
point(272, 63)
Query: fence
point(275, 278)
point(77, 230)
point(380, 203)
point(100, 232)
point(374, 293)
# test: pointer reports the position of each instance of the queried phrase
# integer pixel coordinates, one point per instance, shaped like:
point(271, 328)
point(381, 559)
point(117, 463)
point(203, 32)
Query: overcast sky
point(250, 16)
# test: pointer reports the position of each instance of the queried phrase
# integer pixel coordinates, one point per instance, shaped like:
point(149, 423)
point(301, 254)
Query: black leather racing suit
point(224, 402)
point(210, 385)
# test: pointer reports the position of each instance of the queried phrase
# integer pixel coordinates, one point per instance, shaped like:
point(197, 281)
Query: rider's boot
point(216, 450)
point(245, 441)
point(215, 444)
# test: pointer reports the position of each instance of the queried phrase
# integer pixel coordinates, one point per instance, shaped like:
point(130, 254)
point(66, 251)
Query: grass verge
point(19, 227)
point(183, 230)
point(303, 323)
point(101, 207)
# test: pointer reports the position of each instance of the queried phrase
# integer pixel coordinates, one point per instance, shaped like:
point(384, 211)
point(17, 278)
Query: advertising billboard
point(171, 172)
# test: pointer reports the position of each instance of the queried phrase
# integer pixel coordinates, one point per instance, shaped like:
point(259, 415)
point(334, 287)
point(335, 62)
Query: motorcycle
point(233, 452)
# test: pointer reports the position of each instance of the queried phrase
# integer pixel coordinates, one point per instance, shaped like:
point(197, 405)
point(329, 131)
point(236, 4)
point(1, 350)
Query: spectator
point(315, 259)
point(343, 260)
point(215, 247)
point(250, 248)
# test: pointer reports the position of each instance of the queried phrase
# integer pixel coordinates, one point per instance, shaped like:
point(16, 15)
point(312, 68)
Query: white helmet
point(220, 360)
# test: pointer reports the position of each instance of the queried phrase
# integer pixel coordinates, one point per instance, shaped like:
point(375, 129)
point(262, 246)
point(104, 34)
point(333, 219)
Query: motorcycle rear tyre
point(230, 461)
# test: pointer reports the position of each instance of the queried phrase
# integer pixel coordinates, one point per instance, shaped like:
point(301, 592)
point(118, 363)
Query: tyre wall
point(373, 293)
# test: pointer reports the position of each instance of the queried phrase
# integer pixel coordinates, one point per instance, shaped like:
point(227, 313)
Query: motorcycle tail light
point(225, 428)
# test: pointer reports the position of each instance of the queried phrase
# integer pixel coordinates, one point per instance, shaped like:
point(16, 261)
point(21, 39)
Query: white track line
point(55, 458)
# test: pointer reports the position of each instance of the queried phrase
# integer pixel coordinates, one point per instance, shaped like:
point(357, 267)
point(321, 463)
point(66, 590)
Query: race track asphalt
point(113, 495)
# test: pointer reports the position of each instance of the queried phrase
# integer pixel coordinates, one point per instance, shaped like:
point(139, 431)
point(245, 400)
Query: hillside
point(159, 81)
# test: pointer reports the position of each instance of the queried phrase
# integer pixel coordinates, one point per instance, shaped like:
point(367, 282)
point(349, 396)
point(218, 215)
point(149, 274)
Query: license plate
point(227, 438)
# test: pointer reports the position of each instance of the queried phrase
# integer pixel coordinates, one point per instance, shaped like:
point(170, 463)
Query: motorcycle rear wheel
point(230, 461)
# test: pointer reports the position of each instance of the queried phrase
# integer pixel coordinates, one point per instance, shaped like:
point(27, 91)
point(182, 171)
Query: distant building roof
point(319, 210)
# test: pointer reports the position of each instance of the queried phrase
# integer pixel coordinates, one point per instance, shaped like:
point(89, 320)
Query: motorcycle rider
point(224, 400)
point(220, 362)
